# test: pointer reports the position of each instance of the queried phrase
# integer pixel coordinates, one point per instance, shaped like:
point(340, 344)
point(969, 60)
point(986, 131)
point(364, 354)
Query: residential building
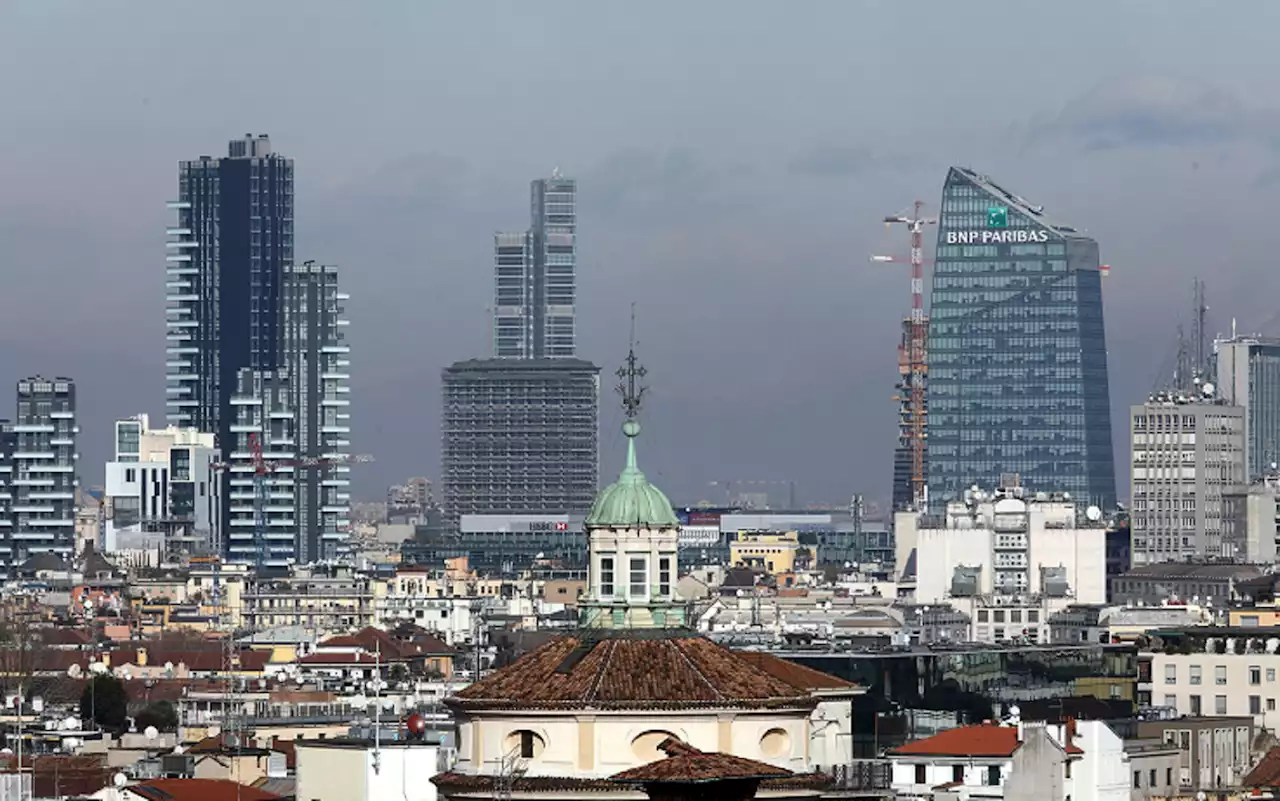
point(1188, 479)
point(300, 416)
point(1031, 761)
point(41, 453)
point(1017, 349)
point(535, 277)
point(1009, 559)
point(520, 436)
point(410, 501)
point(227, 255)
point(1153, 584)
point(1213, 751)
point(1247, 374)
point(770, 552)
point(162, 487)
point(347, 769)
point(1218, 670)
point(321, 597)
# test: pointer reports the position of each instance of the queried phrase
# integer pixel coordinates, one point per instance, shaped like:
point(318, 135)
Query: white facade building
point(160, 482)
point(41, 454)
point(1008, 560)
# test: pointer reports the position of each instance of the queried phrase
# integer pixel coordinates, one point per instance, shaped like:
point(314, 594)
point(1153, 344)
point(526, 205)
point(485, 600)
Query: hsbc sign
point(1001, 237)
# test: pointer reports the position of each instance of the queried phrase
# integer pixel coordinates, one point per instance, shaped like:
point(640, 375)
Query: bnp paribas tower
point(1017, 350)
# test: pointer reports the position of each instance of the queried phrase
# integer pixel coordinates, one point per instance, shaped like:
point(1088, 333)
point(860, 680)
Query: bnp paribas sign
point(997, 231)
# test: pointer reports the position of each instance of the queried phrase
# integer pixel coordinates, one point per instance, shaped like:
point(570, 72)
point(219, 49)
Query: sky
point(734, 159)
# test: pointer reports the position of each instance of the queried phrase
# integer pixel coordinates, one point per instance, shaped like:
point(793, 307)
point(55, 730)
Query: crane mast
point(913, 363)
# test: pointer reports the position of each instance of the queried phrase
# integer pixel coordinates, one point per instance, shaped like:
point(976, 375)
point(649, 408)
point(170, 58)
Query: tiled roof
point(404, 643)
point(685, 764)
point(198, 790)
point(985, 740)
point(1266, 773)
point(631, 670)
point(794, 674)
point(480, 784)
point(339, 658)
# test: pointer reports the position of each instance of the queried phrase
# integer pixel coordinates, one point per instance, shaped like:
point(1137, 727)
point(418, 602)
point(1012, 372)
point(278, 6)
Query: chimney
point(1071, 733)
point(142, 657)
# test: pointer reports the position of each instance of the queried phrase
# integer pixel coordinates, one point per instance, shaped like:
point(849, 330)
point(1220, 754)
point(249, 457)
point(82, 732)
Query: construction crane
point(912, 361)
point(262, 468)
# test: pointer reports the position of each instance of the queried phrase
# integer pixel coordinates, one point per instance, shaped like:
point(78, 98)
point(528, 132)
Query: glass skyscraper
point(535, 287)
point(1017, 350)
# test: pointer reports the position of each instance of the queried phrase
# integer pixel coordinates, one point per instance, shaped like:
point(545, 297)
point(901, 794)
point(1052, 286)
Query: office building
point(519, 436)
point(1008, 559)
point(535, 277)
point(1247, 374)
point(1017, 350)
point(300, 414)
point(44, 477)
point(162, 489)
point(1187, 479)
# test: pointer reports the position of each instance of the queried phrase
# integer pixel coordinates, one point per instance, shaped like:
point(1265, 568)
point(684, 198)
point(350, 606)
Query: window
point(1137, 779)
point(999, 616)
point(982, 616)
point(993, 776)
point(920, 774)
point(1195, 706)
point(1255, 675)
point(664, 577)
point(1170, 674)
point(1219, 705)
point(957, 773)
point(1015, 616)
point(1066, 766)
point(130, 475)
point(639, 580)
point(1168, 777)
point(1220, 675)
point(1171, 700)
point(1255, 705)
point(1271, 705)
point(606, 577)
point(1271, 674)
point(1195, 674)
point(1151, 778)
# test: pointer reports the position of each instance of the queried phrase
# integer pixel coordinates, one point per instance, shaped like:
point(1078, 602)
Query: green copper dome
point(631, 501)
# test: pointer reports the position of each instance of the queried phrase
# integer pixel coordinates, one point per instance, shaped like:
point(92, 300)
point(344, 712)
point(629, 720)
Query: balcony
point(863, 775)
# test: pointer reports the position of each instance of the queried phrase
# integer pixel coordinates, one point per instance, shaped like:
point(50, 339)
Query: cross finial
point(630, 375)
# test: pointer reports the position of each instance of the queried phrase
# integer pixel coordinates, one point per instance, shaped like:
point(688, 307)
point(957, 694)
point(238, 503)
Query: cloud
point(841, 161)
point(664, 187)
point(1155, 111)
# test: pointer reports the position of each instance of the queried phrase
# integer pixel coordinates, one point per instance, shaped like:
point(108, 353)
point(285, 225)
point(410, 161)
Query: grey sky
point(733, 160)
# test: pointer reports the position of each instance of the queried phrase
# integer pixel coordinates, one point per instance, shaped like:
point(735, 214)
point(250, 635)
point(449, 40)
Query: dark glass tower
point(1017, 350)
point(227, 256)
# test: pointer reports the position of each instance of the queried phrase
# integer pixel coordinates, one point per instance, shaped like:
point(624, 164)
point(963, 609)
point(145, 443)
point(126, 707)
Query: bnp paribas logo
point(997, 217)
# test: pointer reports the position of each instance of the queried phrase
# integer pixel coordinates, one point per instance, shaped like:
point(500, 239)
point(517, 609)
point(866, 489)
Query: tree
point(105, 701)
point(160, 714)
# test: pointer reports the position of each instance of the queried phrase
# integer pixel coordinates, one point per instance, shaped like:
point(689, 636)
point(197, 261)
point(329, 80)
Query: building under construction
point(910, 382)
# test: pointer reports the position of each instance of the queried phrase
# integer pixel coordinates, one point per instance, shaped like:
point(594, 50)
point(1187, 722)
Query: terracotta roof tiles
point(198, 790)
point(795, 674)
point(985, 740)
point(685, 764)
point(625, 670)
point(1266, 773)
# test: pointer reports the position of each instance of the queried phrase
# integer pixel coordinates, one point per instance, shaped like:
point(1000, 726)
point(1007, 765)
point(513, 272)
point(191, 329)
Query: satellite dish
point(151, 732)
point(72, 723)
point(97, 667)
point(359, 700)
point(75, 671)
point(119, 780)
point(177, 749)
point(262, 684)
point(37, 704)
point(1093, 513)
point(1208, 388)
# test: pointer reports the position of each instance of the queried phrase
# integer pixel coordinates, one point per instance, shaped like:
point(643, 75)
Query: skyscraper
point(298, 411)
point(225, 270)
point(1248, 375)
point(535, 271)
point(1017, 349)
point(44, 475)
point(520, 436)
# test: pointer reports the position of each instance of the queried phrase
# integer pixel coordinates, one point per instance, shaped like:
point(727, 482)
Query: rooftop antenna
point(1199, 332)
point(555, 172)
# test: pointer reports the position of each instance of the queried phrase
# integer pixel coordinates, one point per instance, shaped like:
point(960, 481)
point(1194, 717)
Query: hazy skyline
point(733, 162)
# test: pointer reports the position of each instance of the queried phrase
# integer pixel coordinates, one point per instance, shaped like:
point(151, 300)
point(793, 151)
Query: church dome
point(631, 501)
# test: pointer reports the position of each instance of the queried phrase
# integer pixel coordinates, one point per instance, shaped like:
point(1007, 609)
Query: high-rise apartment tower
point(44, 479)
point(1017, 350)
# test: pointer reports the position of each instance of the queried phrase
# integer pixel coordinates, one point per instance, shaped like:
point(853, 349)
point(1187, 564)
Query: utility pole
point(912, 359)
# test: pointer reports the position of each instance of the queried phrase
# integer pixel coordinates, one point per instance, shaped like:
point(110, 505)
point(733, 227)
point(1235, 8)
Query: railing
point(863, 774)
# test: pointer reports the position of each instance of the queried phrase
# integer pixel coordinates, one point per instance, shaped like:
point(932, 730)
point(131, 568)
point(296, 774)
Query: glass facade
point(1017, 350)
point(1247, 372)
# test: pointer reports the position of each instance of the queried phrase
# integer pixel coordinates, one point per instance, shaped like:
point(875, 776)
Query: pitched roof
point(1266, 773)
point(484, 784)
point(198, 790)
point(985, 740)
point(404, 643)
point(631, 669)
point(685, 764)
point(795, 674)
